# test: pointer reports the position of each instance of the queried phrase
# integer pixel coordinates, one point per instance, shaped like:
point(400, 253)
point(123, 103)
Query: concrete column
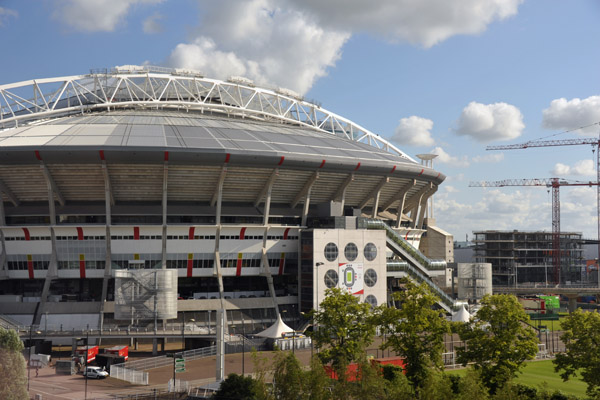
point(572, 303)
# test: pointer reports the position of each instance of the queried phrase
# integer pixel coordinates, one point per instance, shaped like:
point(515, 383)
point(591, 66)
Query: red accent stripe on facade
point(26, 233)
point(136, 232)
point(242, 233)
point(238, 267)
point(438, 175)
point(79, 233)
point(322, 164)
point(393, 169)
point(421, 173)
point(285, 233)
point(191, 233)
point(227, 157)
point(102, 155)
point(37, 155)
point(281, 160)
point(360, 292)
point(30, 266)
point(281, 263)
point(82, 269)
point(190, 267)
point(357, 167)
point(406, 237)
point(166, 156)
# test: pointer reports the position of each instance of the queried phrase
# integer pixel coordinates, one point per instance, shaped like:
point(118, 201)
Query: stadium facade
point(257, 200)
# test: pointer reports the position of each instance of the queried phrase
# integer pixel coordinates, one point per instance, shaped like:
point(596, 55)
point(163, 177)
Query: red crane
point(554, 183)
point(595, 143)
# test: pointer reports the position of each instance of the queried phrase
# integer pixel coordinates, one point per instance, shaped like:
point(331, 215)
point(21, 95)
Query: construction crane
point(555, 184)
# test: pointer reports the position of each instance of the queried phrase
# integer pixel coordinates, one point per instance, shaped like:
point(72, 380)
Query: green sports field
point(537, 372)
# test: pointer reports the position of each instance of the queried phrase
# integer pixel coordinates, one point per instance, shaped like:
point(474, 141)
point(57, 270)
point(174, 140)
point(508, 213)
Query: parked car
point(95, 373)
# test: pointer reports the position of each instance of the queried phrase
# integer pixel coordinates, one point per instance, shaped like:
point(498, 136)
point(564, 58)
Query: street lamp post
point(87, 350)
point(29, 361)
point(243, 344)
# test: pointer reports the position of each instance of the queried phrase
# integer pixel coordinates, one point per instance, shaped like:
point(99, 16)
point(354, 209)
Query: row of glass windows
point(23, 266)
point(89, 264)
point(149, 237)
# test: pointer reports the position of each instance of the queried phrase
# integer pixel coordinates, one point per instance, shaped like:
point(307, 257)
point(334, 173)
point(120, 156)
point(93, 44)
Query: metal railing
point(448, 303)
point(408, 249)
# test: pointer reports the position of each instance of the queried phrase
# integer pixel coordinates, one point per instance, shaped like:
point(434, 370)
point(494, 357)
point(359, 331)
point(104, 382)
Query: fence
point(119, 371)
point(134, 371)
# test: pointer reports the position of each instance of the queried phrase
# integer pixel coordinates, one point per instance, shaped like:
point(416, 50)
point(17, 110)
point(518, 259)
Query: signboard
point(180, 365)
point(351, 278)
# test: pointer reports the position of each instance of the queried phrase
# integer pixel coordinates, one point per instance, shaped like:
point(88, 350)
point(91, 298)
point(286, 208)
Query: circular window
point(331, 252)
point(370, 277)
point(331, 278)
point(370, 251)
point(372, 300)
point(351, 252)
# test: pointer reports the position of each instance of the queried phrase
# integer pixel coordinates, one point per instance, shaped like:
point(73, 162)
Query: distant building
point(519, 256)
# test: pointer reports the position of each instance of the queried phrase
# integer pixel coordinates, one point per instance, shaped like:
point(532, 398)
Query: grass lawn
point(536, 372)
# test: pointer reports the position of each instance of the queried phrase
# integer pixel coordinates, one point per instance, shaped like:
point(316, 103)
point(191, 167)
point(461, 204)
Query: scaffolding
point(527, 257)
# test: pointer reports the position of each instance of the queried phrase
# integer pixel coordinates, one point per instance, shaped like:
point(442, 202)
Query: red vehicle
point(121, 351)
point(92, 352)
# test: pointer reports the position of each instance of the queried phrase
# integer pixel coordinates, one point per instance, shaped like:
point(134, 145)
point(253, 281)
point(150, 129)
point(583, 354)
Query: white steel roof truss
point(146, 97)
point(116, 90)
point(189, 92)
point(86, 90)
point(36, 90)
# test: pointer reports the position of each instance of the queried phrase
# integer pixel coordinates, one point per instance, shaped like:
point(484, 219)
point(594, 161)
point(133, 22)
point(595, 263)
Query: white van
point(95, 373)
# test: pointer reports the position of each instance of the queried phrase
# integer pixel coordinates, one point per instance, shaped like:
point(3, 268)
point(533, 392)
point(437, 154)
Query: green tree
point(416, 331)
point(13, 373)
point(316, 384)
point(288, 377)
point(345, 327)
point(582, 343)
point(236, 387)
point(498, 341)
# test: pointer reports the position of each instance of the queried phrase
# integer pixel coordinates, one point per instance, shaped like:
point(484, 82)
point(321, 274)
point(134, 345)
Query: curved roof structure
point(118, 127)
point(153, 87)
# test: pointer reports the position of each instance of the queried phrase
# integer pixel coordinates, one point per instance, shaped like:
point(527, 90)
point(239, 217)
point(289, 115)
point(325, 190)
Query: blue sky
point(431, 75)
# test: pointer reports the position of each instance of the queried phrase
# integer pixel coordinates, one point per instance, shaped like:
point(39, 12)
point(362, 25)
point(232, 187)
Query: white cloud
point(582, 168)
point(96, 15)
point(291, 43)
point(446, 158)
point(450, 189)
point(489, 158)
point(152, 24)
point(414, 131)
point(5, 14)
point(258, 40)
point(423, 22)
point(490, 122)
point(566, 114)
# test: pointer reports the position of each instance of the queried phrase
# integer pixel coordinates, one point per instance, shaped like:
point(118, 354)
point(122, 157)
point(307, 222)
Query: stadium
point(142, 193)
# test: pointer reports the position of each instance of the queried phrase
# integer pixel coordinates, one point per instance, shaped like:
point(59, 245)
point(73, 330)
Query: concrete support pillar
point(155, 346)
point(572, 303)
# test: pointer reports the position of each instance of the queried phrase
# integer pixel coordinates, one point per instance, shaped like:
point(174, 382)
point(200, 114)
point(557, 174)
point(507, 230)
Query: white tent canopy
point(276, 330)
point(461, 315)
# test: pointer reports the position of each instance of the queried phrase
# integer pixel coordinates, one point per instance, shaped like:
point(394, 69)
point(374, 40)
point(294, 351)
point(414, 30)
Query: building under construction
point(526, 257)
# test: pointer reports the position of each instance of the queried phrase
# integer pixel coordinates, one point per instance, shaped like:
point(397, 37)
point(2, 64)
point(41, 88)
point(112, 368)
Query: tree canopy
point(582, 343)
point(498, 341)
point(13, 376)
point(345, 328)
point(416, 331)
